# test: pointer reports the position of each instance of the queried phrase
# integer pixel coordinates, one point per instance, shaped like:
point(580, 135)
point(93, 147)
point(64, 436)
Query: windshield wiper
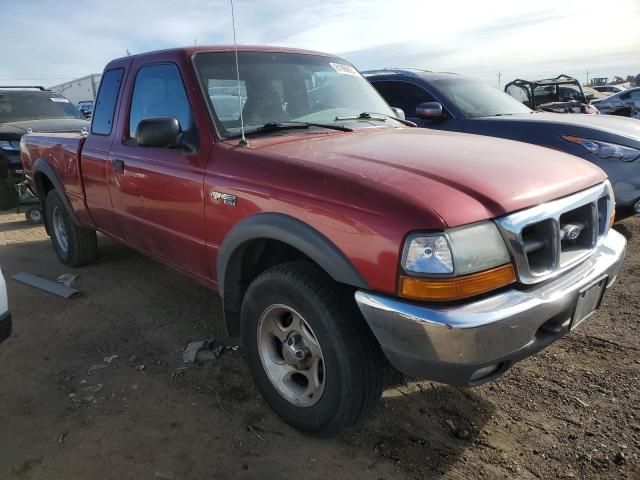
point(275, 126)
point(381, 117)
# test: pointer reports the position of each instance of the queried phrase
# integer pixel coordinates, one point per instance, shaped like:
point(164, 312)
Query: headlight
point(458, 251)
point(605, 150)
point(459, 263)
point(428, 254)
point(10, 145)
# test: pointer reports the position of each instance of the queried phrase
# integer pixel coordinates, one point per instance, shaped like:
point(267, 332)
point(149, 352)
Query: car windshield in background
point(477, 99)
point(287, 87)
point(17, 106)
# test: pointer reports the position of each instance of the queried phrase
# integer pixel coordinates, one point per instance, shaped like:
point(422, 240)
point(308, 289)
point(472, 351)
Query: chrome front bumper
point(472, 343)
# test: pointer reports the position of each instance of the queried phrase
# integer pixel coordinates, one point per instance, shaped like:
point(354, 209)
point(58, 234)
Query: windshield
point(286, 87)
point(25, 105)
point(477, 99)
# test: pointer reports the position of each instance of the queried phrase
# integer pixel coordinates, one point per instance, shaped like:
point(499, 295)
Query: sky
point(46, 42)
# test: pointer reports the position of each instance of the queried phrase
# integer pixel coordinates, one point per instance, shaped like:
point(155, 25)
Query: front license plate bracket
point(589, 300)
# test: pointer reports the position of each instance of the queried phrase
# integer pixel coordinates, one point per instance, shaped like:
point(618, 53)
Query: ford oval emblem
point(573, 232)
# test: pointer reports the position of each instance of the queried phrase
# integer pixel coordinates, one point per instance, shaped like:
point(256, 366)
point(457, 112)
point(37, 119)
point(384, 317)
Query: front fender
point(297, 234)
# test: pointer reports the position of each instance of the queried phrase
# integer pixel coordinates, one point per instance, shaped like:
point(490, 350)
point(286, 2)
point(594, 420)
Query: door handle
point(118, 165)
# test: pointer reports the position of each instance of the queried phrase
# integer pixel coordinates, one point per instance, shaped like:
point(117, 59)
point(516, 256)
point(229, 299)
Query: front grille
point(550, 238)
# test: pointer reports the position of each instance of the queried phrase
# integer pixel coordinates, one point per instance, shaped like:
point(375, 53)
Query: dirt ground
point(67, 413)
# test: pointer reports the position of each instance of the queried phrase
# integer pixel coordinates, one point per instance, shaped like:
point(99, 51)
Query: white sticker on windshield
point(59, 99)
point(344, 69)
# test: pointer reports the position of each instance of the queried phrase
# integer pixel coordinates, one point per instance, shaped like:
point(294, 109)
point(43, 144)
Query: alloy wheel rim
point(291, 355)
point(60, 229)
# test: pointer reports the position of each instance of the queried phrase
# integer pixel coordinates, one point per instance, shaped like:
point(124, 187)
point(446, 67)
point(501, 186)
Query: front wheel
point(74, 245)
point(309, 350)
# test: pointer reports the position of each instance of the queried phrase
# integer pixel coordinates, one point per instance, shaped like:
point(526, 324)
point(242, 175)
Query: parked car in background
point(590, 94)
point(608, 88)
point(333, 231)
point(562, 94)
point(446, 101)
point(86, 108)
point(625, 103)
point(29, 109)
point(5, 315)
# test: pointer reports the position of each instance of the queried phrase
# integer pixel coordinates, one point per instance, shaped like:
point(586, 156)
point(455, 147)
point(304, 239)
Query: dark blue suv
point(447, 101)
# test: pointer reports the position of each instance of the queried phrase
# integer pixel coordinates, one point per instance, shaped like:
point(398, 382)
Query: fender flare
point(41, 167)
point(293, 232)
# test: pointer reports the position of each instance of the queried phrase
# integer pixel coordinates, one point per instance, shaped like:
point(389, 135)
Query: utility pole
point(587, 77)
point(499, 79)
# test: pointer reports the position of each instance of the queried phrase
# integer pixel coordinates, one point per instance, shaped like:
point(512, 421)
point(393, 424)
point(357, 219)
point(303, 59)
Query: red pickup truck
point(336, 234)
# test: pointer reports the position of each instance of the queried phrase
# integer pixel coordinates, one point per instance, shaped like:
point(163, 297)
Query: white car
point(5, 316)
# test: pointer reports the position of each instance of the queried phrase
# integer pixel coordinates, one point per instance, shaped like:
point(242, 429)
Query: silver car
point(626, 103)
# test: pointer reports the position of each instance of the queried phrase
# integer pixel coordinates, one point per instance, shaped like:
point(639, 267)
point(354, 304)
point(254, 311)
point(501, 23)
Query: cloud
point(50, 41)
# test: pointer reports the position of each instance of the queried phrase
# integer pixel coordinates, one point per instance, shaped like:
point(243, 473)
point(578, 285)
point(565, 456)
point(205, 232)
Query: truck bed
point(62, 152)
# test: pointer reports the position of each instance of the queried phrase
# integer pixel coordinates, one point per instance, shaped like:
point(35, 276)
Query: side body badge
point(226, 198)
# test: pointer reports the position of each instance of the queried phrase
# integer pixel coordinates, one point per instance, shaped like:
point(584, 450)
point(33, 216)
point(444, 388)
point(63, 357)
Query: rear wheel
point(74, 245)
point(309, 349)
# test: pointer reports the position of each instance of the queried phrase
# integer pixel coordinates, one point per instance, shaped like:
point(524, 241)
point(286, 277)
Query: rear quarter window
point(105, 105)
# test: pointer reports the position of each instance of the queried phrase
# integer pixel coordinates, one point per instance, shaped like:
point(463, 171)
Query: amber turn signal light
point(612, 217)
point(448, 289)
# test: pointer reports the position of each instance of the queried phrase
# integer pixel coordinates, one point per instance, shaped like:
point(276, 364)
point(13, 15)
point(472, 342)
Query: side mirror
point(398, 112)
point(158, 132)
point(429, 110)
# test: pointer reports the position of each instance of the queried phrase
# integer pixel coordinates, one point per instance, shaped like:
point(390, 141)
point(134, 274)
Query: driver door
point(157, 193)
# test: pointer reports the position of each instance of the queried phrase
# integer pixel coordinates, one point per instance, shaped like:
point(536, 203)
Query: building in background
point(82, 89)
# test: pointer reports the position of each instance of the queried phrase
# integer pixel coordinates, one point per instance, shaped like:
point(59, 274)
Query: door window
point(633, 96)
point(106, 102)
point(159, 91)
point(404, 95)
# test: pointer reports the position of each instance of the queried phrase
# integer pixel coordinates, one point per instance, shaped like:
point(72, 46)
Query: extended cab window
point(159, 91)
point(404, 95)
point(106, 102)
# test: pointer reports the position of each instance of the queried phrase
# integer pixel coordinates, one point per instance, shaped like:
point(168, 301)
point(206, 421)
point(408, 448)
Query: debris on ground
point(164, 475)
point(110, 359)
point(48, 286)
point(620, 458)
point(87, 394)
point(99, 366)
point(67, 279)
point(178, 372)
point(456, 430)
point(205, 350)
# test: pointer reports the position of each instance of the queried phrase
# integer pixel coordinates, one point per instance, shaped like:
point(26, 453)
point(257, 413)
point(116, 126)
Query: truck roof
point(188, 51)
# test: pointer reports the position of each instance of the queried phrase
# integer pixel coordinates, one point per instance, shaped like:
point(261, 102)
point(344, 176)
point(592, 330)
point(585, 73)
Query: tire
point(8, 194)
point(74, 245)
point(34, 215)
point(339, 388)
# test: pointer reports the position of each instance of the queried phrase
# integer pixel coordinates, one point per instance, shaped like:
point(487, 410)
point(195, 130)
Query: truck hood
point(16, 129)
point(463, 178)
point(612, 124)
